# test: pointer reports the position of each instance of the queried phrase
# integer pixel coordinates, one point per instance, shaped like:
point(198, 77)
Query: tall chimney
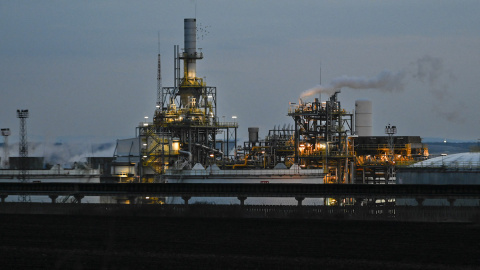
point(190, 31)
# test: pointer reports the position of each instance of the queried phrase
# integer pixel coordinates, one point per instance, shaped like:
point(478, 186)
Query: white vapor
point(427, 70)
point(64, 153)
point(385, 81)
point(430, 71)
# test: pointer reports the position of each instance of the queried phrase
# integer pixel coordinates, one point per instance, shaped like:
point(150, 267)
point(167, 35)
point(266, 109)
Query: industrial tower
point(5, 133)
point(23, 150)
point(323, 138)
point(185, 125)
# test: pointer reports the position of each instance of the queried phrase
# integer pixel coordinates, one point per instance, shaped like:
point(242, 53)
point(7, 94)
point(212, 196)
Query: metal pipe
point(186, 153)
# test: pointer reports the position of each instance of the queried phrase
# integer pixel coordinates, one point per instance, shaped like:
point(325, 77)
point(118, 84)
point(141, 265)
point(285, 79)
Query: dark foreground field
point(95, 242)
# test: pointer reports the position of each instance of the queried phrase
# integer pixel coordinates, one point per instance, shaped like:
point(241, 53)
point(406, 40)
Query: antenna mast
point(320, 94)
point(159, 77)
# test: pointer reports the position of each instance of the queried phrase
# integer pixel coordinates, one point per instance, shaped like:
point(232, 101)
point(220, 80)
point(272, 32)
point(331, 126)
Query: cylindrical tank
point(6, 132)
point(363, 117)
point(190, 39)
point(190, 31)
point(253, 134)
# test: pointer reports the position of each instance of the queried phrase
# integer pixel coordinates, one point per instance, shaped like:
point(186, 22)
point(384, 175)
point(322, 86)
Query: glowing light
point(175, 146)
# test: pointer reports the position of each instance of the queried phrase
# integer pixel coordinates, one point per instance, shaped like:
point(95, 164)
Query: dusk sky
point(88, 68)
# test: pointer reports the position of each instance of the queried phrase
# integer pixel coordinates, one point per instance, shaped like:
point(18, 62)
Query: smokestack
point(190, 39)
point(191, 86)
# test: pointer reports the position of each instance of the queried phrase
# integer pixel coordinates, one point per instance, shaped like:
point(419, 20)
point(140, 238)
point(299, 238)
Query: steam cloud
point(385, 81)
point(65, 153)
point(430, 70)
point(427, 70)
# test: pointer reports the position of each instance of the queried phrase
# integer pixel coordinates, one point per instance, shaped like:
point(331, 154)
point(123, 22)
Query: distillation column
point(191, 86)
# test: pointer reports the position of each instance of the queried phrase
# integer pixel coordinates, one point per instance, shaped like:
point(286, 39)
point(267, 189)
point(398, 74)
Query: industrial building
point(187, 142)
point(456, 169)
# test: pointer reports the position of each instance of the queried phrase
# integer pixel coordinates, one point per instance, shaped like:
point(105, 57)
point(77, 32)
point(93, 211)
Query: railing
point(300, 191)
point(208, 172)
point(226, 124)
point(54, 172)
point(382, 146)
point(448, 165)
point(330, 154)
point(194, 123)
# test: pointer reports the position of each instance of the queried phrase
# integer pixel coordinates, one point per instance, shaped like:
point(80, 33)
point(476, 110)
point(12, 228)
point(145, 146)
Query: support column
point(363, 175)
point(299, 200)
point(131, 199)
point(53, 198)
point(186, 198)
point(3, 197)
point(386, 207)
point(358, 201)
point(78, 197)
point(420, 201)
point(451, 201)
point(242, 200)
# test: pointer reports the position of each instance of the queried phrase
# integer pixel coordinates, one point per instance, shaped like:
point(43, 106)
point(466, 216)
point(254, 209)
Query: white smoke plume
point(385, 81)
point(427, 70)
point(64, 153)
point(319, 89)
point(431, 71)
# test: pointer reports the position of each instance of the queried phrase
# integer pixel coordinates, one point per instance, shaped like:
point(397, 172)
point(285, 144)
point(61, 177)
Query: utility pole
point(23, 151)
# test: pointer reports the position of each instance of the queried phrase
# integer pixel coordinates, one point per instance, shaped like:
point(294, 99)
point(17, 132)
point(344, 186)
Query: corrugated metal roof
point(460, 160)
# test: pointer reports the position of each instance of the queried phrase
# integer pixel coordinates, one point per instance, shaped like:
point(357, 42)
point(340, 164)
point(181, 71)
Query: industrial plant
point(186, 141)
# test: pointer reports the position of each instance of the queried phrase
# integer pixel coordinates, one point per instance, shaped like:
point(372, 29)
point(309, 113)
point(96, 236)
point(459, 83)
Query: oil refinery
point(187, 143)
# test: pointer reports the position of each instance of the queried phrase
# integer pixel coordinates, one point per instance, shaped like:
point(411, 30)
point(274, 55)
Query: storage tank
point(253, 134)
point(363, 117)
